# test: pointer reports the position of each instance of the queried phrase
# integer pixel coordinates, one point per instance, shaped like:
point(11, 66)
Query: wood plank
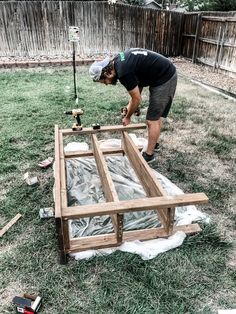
point(60, 239)
point(66, 234)
point(164, 202)
point(58, 218)
point(225, 29)
point(109, 128)
point(195, 46)
point(153, 233)
point(62, 172)
point(91, 242)
point(57, 175)
point(9, 224)
point(217, 48)
point(220, 66)
point(141, 168)
point(65, 227)
point(219, 19)
point(107, 185)
point(89, 153)
point(170, 220)
point(109, 240)
point(105, 177)
point(145, 174)
point(214, 42)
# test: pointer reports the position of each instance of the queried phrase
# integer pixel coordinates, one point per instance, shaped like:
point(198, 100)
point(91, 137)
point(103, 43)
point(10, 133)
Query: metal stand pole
point(74, 70)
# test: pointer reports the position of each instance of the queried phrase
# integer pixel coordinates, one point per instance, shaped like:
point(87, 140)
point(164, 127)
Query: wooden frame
point(156, 196)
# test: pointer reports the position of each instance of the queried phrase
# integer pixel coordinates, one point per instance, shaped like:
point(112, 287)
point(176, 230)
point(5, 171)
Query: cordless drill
point(76, 113)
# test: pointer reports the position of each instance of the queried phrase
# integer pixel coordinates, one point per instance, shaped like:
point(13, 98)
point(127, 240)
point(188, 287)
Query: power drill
point(76, 113)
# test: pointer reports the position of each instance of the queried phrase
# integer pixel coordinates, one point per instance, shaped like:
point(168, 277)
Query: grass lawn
point(197, 153)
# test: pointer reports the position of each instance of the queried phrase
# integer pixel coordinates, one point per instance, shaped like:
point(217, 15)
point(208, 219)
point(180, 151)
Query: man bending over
point(136, 68)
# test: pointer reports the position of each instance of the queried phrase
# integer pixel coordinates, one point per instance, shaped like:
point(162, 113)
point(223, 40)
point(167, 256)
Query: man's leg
point(154, 130)
point(160, 100)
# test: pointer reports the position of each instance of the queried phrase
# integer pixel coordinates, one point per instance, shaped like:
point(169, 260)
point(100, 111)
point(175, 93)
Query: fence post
point(217, 48)
point(195, 47)
point(180, 35)
point(225, 29)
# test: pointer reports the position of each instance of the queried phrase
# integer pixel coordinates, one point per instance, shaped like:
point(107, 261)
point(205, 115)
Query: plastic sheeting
point(84, 187)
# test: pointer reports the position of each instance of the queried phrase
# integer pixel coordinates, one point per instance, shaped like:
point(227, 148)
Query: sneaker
point(148, 158)
point(157, 147)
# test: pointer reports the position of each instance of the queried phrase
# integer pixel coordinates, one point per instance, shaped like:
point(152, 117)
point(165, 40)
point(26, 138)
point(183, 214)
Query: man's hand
point(126, 121)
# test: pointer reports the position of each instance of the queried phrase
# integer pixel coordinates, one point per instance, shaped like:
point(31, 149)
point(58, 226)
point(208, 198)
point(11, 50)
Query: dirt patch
point(232, 258)
point(205, 74)
point(8, 293)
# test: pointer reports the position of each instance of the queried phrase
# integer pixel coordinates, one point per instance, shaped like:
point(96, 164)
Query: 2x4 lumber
point(91, 242)
point(57, 175)
point(62, 172)
point(145, 174)
point(60, 239)
point(82, 211)
point(9, 224)
point(89, 153)
point(107, 185)
point(58, 218)
point(65, 228)
point(109, 128)
point(141, 168)
point(109, 240)
point(170, 220)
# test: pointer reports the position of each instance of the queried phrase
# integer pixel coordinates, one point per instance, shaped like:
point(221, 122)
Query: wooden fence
point(40, 28)
point(30, 28)
point(211, 40)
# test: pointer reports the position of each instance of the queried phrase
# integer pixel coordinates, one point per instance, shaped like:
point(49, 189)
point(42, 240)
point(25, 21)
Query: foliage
point(135, 2)
point(208, 5)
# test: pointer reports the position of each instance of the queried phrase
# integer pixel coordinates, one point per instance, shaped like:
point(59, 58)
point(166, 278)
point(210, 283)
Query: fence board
point(216, 43)
point(40, 28)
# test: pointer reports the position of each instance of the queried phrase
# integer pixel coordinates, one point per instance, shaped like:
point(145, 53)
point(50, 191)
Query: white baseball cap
point(96, 68)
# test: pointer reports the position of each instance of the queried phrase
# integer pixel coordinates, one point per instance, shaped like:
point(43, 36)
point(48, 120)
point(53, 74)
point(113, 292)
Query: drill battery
point(29, 304)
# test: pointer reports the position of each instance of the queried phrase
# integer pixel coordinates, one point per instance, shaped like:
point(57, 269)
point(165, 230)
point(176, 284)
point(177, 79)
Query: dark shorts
point(161, 98)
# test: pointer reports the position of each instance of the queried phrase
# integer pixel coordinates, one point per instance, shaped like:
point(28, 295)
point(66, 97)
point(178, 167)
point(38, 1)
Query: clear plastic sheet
point(84, 187)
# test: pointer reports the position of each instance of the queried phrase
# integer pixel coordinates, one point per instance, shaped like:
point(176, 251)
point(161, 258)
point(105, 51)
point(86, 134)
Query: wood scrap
point(9, 224)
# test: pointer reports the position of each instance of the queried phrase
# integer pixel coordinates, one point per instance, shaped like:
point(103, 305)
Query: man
point(136, 68)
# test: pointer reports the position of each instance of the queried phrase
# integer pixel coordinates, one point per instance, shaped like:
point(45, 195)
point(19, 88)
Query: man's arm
point(133, 104)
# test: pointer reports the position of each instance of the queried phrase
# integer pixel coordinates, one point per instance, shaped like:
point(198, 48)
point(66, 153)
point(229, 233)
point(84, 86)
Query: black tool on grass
point(96, 126)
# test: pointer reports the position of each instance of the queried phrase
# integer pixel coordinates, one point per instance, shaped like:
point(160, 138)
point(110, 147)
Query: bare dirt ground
point(205, 74)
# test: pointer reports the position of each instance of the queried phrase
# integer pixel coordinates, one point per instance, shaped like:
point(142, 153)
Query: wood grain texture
point(134, 205)
point(109, 240)
point(107, 128)
point(9, 224)
point(107, 186)
point(145, 174)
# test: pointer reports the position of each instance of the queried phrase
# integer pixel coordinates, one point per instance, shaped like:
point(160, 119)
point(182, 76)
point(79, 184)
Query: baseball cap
point(96, 68)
